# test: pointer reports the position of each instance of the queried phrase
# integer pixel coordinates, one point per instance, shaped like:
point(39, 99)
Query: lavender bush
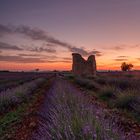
point(16, 95)
point(126, 98)
point(70, 116)
point(13, 79)
point(122, 92)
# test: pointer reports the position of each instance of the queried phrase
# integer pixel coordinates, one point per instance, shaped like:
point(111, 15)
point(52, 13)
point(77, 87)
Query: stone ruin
point(81, 66)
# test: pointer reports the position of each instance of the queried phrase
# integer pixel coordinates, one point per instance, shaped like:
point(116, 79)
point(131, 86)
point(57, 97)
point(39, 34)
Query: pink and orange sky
point(43, 34)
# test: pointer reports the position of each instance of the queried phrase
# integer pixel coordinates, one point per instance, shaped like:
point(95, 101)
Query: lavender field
point(61, 106)
point(13, 79)
point(66, 114)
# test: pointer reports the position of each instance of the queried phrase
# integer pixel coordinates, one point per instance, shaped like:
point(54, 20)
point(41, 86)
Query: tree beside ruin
point(126, 67)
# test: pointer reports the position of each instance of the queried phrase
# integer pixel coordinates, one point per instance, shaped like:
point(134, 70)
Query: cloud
point(4, 30)
point(44, 48)
point(121, 59)
point(122, 56)
point(65, 61)
point(31, 55)
point(78, 50)
point(37, 34)
point(97, 53)
point(117, 48)
point(124, 46)
point(5, 46)
point(52, 57)
point(40, 35)
point(67, 58)
point(50, 45)
point(41, 49)
point(83, 52)
point(58, 61)
point(19, 59)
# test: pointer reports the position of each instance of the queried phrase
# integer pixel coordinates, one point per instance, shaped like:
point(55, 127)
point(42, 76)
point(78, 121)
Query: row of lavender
point(16, 95)
point(13, 79)
point(68, 115)
point(122, 92)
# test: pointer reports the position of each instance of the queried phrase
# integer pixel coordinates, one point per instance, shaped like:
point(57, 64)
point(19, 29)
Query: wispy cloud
point(122, 56)
point(58, 61)
point(5, 46)
point(29, 59)
point(41, 49)
point(38, 34)
point(19, 59)
point(138, 58)
point(41, 35)
point(67, 58)
point(121, 59)
point(31, 55)
point(4, 30)
point(52, 57)
point(50, 45)
point(123, 46)
point(97, 53)
point(117, 48)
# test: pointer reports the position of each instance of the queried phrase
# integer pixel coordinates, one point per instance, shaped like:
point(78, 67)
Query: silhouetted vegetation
point(126, 67)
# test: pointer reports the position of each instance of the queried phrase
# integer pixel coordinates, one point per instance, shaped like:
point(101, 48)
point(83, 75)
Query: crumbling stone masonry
point(82, 67)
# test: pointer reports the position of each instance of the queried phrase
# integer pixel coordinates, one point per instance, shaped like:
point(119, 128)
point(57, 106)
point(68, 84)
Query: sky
point(44, 33)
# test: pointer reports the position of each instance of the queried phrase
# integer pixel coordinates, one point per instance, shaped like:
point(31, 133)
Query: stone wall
point(81, 66)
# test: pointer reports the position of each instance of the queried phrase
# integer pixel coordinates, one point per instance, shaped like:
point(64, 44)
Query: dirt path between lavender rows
point(59, 86)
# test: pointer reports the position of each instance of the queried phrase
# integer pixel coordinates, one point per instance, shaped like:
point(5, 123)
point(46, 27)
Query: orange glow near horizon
point(41, 66)
point(56, 66)
point(109, 60)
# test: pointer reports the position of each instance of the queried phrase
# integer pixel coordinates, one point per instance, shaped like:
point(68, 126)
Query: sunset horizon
point(43, 35)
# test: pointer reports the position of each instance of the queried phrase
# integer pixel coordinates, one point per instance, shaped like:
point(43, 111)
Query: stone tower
point(82, 67)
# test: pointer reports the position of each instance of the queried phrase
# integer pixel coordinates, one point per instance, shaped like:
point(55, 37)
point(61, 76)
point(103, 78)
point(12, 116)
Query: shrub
point(129, 75)
point(91, 85)
point(68, 75)
point(71, 77)
point(120, 83)
point(107, 92)
point(136, 105)
point(90, 77)
point(86, 83)
point(124, 83)
point(101, 81)
point(125, 99)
